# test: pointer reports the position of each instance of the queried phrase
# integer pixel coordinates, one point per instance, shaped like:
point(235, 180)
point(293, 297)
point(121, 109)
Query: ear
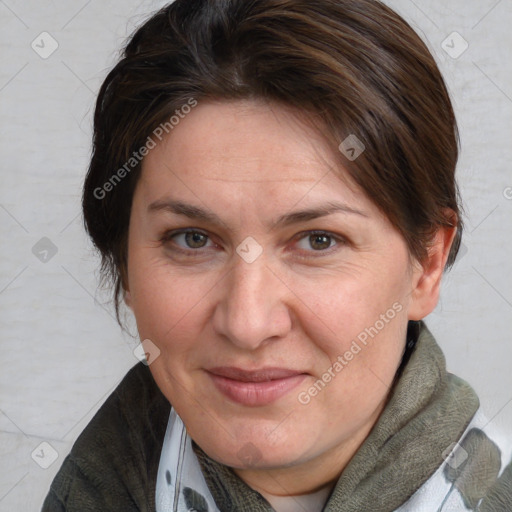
point(427, 275)
point(127, 297)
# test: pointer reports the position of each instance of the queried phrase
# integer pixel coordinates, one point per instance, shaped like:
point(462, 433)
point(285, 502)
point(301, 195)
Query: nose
point(252, 308)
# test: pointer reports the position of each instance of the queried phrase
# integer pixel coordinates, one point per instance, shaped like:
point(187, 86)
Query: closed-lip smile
point(255, 387)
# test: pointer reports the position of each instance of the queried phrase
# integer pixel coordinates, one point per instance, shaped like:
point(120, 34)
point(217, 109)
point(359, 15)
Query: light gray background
point(62, 352)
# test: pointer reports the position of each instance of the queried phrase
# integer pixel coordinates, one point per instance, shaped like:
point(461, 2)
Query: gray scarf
point(428, 410)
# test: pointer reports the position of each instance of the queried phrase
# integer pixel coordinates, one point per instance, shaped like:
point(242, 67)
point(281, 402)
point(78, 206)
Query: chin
point(255, 451)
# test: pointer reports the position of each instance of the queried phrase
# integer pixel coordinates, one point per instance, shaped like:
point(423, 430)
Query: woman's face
point(277, 294)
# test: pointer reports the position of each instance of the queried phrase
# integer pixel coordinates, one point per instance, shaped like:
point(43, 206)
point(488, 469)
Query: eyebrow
point(196, 213)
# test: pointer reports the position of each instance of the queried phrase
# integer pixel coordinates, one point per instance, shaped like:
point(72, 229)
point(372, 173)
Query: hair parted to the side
point(353, 66)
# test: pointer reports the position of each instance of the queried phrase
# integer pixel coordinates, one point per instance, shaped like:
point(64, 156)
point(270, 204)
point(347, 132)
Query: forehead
point(242, 140)
point(250, 142)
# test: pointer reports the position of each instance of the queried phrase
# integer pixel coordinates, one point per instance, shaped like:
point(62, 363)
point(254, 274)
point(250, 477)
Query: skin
point(299, 305)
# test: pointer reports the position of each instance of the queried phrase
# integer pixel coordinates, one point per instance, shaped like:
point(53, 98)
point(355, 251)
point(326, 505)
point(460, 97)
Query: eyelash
point(340, 241)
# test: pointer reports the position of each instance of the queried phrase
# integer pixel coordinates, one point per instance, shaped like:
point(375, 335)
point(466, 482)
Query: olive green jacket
point(113, 464)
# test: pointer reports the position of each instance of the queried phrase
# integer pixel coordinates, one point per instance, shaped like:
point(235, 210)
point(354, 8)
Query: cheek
point(357, 323)
point(166, 302)
point(170, 312)
point(342, 307)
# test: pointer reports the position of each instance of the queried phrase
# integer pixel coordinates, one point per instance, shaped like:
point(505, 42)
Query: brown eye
point(317, 241)
point(320, 242)
point(195, 240)
point(187, 239)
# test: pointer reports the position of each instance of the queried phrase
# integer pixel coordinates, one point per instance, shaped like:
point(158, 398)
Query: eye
point(318, 241)
point(187, 239)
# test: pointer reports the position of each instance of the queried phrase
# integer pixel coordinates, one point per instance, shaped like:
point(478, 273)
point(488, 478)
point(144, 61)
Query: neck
point(313, 502)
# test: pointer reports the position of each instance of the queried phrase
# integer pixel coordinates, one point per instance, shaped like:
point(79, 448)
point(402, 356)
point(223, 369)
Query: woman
point(272, 192)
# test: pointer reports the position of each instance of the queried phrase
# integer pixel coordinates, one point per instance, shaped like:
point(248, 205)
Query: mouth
point(255, 387)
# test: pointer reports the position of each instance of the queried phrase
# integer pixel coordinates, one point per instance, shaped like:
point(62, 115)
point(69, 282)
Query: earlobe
point(427, 275)
point(127, 298)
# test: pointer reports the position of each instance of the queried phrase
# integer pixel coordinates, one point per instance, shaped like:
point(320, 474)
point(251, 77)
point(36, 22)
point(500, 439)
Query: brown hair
point(354, 65)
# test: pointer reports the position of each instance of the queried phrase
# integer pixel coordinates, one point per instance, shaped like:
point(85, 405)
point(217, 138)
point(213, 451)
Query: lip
point(255, 387)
